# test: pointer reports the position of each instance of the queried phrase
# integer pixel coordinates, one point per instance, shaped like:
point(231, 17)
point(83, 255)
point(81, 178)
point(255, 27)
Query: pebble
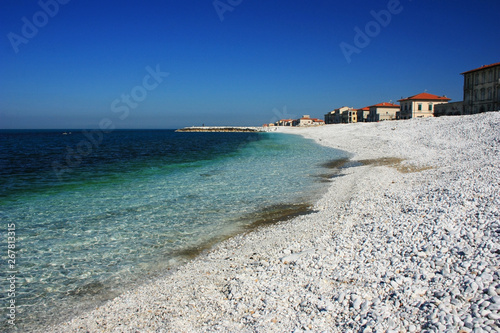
point(356, 304)
point(493, 316)
point(494, 307)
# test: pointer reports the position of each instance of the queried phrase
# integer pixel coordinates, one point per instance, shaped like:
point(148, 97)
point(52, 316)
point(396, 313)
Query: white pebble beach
point(406, 242)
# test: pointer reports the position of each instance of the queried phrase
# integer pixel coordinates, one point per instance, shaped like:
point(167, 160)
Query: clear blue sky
point(263, 61)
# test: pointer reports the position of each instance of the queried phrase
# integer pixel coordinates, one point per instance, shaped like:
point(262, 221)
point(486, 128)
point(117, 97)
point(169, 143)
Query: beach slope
point(406, 240)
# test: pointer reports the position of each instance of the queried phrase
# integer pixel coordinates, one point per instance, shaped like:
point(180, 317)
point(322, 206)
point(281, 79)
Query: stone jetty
point(220, 129)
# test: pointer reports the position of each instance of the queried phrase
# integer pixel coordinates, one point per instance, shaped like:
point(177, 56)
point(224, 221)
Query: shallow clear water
point(90, 225)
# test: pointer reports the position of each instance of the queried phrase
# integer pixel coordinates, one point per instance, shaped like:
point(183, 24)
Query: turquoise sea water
point(95, 214)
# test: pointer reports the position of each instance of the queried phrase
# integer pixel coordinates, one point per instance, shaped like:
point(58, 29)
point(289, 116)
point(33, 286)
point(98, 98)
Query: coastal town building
point(449, 109)
point(342, 115)
point(383, 111)
point(330, 117)
point(420, 105)
point(481, 94)
point(482, 89)
point(350, 116)
point(285, 122)
point(305, 120)
point(335, 116)
point(317, 121)
point(363, 114)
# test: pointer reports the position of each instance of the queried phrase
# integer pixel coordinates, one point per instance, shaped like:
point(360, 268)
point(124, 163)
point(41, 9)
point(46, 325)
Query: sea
point(87, 215)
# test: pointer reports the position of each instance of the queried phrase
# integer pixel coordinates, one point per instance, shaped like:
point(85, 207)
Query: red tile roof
point(482, 67)
point(426, 97)
point(384, 104)
point(367, 108)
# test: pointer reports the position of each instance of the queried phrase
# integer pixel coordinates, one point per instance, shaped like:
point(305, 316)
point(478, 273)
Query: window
point(490, 93)
point(430, 106)
point(420, 107)
point(483, 94)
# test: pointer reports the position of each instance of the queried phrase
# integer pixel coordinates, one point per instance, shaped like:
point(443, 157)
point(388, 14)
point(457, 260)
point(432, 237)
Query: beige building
point(284, 122)
point(482, 89)
point(344, 114)
point(335, 116)
point(317, 121)
point(350, 116)
point(420, 106)
point(383, 111)
point(306, 120)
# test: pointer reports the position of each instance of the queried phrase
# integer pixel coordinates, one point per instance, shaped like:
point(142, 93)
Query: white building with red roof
point(420, 105)
point(383, 111)
point(285, 122)
point(306, 120)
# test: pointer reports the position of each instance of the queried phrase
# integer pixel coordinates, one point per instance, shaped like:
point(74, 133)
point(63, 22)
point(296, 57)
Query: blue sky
point(238, 62)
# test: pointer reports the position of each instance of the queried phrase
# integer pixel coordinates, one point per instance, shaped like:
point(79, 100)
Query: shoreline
point(383, 251)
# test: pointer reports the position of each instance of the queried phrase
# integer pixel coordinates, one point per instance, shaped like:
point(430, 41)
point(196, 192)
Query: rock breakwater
point(220, 129)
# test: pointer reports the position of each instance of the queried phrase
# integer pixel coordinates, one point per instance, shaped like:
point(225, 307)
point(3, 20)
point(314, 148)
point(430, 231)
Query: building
point(449, 109)
point(306, 120)
point(482, 89)
point(363, 114)
point(317, 121)
point(284, 122)
point(383, 111)
point(341, 115)
point(330, 117)
point(335, 116)
point(350, 116)
point(420, 106)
